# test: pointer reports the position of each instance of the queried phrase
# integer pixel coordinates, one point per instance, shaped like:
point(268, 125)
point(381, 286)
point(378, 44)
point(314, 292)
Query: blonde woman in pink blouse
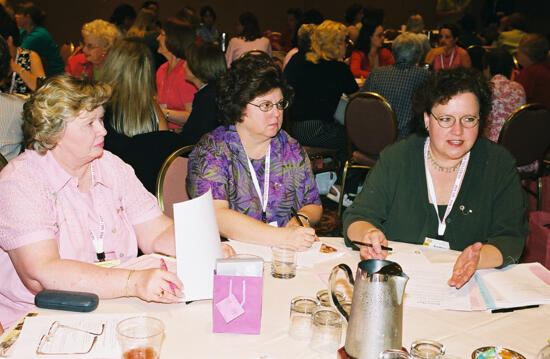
point(67, 204)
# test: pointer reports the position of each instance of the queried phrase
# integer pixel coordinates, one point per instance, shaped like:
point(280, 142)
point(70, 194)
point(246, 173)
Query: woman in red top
point(369, 53)
point(175, 95)
point(448, 55)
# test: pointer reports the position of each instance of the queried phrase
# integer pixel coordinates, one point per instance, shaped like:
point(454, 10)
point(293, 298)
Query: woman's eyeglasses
point(447, 121)
point(266, 106)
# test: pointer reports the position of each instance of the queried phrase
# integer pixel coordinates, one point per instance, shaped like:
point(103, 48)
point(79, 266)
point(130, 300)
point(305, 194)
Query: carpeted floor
point(330, 225)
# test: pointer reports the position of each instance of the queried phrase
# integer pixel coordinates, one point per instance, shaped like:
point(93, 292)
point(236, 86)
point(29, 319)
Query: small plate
point(509, 354)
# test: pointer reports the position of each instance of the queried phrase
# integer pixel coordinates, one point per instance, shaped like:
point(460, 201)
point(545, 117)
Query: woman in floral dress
point(259, 176)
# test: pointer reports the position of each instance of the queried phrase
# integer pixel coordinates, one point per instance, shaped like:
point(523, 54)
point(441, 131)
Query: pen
point(370, 245)
point(295, 214)
point(511, 309)
point(164, 267)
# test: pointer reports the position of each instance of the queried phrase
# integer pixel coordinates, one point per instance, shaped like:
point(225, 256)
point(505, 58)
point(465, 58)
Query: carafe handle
point(332, 282)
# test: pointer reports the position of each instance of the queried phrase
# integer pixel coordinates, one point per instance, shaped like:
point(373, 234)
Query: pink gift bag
point(237, 304)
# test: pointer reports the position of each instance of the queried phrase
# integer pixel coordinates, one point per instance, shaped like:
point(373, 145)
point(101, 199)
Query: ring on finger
point(161, 293)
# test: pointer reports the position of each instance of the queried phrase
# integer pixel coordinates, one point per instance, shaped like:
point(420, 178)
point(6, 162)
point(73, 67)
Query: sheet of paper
point(197, 246)
point(305, 259)
point(66, 340)
point(518, 285)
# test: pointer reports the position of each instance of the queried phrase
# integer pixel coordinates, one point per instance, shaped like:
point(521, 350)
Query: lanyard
point(97, 240)
point(14, 74)
point(263, 201)
point(450, 62)
point(454, 193)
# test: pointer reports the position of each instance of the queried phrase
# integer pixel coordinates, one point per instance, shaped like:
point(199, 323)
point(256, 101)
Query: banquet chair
point(476, 53)
point(171, 186)
point(371, 125)
point(526, 134)
point(3, 162)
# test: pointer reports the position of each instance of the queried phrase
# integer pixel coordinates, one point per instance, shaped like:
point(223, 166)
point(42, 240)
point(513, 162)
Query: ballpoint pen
point(295, 214)
point(164, 267)
point(370, 245)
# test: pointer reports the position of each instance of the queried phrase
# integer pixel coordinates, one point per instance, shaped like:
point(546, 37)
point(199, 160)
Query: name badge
point(436, 243)
point(111, 260)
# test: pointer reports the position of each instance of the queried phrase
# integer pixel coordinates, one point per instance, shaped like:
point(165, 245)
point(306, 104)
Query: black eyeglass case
point(66, 300)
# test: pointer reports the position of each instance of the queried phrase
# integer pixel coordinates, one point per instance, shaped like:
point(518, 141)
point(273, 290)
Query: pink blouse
point(39, 201)
point(448, 62)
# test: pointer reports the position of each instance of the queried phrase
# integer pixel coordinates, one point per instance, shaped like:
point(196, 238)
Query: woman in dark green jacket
point(445, 186)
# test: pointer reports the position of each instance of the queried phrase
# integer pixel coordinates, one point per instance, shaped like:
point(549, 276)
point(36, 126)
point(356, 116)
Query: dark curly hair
point(252, 75)
point(442, 85)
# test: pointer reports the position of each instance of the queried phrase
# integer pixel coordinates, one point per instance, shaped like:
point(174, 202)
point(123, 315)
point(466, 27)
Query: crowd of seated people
point(120, 115)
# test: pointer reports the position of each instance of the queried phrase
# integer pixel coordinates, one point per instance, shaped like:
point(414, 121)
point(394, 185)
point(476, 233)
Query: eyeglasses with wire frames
point(447, 121)
point(47, 338)
point(266, 106)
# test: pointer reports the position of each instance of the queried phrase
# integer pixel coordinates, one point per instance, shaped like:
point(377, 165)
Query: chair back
point(526, 133)
point(171, 186)
point(370, 123)
point(476, 53)
point(3, 161)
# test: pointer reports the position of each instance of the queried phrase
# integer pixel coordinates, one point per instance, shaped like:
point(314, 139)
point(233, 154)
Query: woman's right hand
point(299, 238)
point(377, 238)
point(153, 285)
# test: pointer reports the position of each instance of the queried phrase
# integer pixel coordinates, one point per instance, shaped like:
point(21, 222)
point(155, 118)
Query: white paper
point(518, 285)
point(304, 259)
point(197, 246)
point(67, 340)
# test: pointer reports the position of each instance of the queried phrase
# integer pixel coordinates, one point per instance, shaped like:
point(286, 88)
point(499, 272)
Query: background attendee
point(256, 171)
point(132, 115)
point(145, 22)
point(189, 16)
point(325, 77)
point(35, 37)
point(468, 36)
point(410, 195)
point(123, 17)
point(450, 11)
point(369, 53)
point(354, 17)
point(207, 32)
point(448, 55)
point(174, 93)
point(98, 37)
point(507, 95)
point(397, 83)
point(11, 136)
point(293, 20)
point(415, 24)
point(204, 66)
point(248, 38)
point(515, 29)
point(535, 76)
point(25, 64)
point(293, 68)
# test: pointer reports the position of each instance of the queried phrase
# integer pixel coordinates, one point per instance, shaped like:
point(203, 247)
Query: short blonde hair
point(325, 41)
point(106, 31)
point(46, 112)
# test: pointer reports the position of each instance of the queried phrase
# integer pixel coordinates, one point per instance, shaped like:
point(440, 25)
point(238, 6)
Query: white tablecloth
point(189, 327)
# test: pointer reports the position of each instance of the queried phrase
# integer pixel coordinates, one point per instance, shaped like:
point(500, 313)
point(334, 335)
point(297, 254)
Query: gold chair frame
point(164, 169)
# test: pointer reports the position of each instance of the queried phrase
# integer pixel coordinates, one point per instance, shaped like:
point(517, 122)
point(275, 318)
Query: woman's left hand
point(227, 250)
point(465, 265)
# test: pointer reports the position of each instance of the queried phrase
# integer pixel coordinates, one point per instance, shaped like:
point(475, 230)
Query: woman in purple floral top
point(251, 98)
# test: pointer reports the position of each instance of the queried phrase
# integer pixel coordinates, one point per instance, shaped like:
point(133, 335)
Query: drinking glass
point(326, 330)
point(140, 337)
point(427, 349)
point(283, 263)
point(301, 309)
